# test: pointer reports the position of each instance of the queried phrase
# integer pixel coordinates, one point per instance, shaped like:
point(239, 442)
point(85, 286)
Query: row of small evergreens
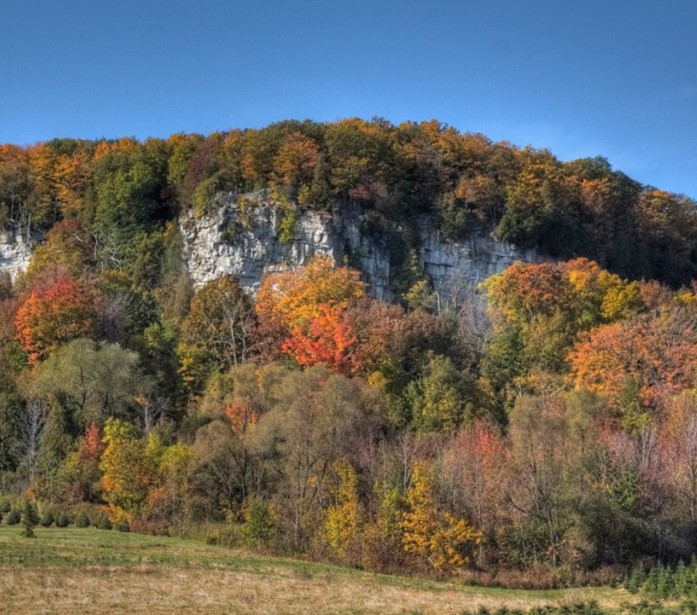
point(665, 582)
point(28, 514)
point(643, 607)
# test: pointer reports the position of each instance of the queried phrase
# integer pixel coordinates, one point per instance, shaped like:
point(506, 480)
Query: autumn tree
point(343, 521)
point(538, 205)
point(605, 205)
point(215, 334)
point(298, 296)
point(41, 206)
point(471, 471)
point(67, 247)
point(289, 302)
point(362, 159)
point(658, 351)
point(328, 340)
point(318, 418)
point(71, 176)
point(439, 540)
point(678, 454)
point(537, 311)
point(381, 538)
point(221, 472)
point(166, 500)
point(229, 453)
point(295, 163)
point(80, 473)
point(127, 471)
point(53, 314)
point(545, 439)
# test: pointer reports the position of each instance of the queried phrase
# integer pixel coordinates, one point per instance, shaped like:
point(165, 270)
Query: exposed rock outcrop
point(242, 238)
point(15, 252)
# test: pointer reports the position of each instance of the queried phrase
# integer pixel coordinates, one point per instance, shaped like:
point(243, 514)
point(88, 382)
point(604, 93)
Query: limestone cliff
point(242, 238)
point(15, 252)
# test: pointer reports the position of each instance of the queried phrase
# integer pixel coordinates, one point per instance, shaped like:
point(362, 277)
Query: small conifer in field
point(14, 517)
point(30, 519)
point(62, 520)
point(82, 520)
point(47, 518)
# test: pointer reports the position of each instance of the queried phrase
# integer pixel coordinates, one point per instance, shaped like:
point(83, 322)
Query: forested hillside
point(555, 434)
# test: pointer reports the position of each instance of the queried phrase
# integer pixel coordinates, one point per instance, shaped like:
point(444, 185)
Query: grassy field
point(91, 571)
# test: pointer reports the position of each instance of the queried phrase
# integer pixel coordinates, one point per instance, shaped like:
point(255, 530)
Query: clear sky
point(580, 77)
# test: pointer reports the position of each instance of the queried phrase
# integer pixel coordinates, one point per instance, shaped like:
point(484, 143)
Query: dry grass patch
point(149, 589)
point(87, 571)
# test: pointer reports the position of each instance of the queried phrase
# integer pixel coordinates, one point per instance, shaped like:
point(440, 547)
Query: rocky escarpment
point(15, 252)
point(243, 237)
point(249, 238)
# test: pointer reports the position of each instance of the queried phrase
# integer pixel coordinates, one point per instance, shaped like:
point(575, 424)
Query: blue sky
point(582, 78)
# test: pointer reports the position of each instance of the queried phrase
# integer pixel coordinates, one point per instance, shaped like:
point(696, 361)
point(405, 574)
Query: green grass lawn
point(70, 570)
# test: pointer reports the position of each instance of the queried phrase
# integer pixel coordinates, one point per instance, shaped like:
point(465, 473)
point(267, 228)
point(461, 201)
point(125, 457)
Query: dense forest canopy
point(557, 433)
point(122, 191)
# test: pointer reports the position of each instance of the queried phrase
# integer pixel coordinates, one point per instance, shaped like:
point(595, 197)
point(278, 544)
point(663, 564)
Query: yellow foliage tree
point(127, 475)
point(439, 539)
point(343, 519)
point(297, 297)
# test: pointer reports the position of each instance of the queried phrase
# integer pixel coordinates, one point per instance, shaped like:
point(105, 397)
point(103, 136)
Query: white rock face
point(243, 240)
point(247, 245)
point(15, 252)
point(457, 268)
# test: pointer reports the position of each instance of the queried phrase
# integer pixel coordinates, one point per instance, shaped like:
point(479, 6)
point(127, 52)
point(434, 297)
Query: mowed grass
point(92, 571)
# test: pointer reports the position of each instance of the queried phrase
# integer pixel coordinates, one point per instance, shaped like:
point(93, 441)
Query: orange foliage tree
point(295, 162)
point(297, 297)
point(657, 351)
point(587, 294)
point(538, 309)
point(301, 313)
point(242, 415)
point(53, 314)
point(329, 340)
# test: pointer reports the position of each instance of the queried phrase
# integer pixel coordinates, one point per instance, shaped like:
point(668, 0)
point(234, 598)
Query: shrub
point(258, 523)
point(103, 523)
point(122, 526)
point(82, 520)
point(5, 505)
point(155, 527)
point(62, 520)
point(47, 518)
point(30, 519)
point(14, 517)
